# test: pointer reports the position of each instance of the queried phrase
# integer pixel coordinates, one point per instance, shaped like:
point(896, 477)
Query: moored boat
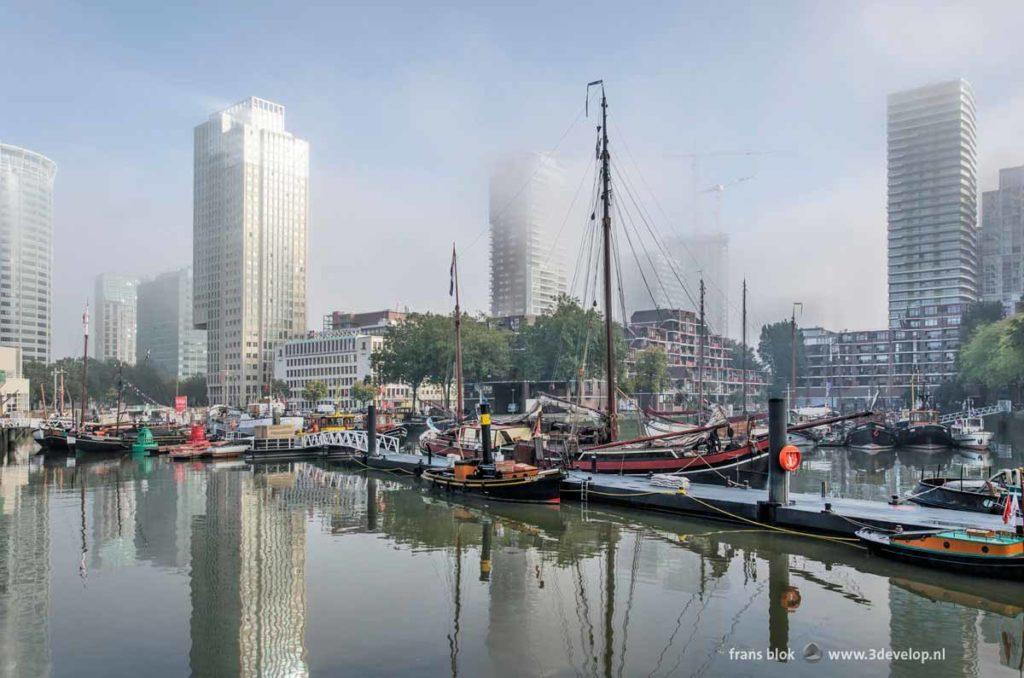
point(871, 436)
point(100, 441)
point(969, 432)
point(976, 552)
point(924, 432)
point(980, 496)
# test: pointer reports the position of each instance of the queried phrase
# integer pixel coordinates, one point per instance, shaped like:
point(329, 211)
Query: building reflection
point(248, 583)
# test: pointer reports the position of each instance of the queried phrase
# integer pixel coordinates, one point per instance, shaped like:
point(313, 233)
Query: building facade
point(527, 205)
point(26, 251)
point(932, 200)
point(677, 333)
point(167, 337)
point(115, 318)
point(250, 225)
point(1002, 240)
point(14, 387)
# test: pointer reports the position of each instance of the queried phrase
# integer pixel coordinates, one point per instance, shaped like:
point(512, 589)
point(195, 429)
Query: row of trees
point(143, 378)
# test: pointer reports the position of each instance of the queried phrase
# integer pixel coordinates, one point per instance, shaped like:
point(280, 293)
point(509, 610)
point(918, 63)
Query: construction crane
point(719, 190)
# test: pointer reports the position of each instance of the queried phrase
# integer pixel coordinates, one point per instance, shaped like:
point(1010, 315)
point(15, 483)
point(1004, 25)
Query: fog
point(407, 109)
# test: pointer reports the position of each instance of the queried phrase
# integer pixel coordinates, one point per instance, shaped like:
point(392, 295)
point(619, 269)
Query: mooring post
point(371, 429)
point(485, 551)
point(778, 477)
point(371, 504)
point(485, 433)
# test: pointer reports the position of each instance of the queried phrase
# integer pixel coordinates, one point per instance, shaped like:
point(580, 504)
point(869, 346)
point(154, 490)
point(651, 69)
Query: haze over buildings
point(166, 333)
point(251, 220)
point(527, 205)
point(26, 250)
point(113, 332)
point(1002, 240)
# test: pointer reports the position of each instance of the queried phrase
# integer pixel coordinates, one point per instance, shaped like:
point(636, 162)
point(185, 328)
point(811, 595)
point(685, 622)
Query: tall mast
point(792, 358)
point(120, 390)
point(606, 232)
point(458, 339)
point(700, 357)
point(85, 364)
point(744, 351)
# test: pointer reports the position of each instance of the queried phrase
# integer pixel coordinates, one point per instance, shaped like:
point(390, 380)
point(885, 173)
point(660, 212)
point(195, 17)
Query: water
point(144, 566)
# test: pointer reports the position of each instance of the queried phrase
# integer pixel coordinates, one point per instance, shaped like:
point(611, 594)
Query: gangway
point(1003, 407)
point(352, 440)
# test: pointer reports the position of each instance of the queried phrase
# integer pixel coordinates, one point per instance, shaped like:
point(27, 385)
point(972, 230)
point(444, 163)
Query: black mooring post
point(371, 429)
point(485, 433)
point(485, 552)
point(778, 477)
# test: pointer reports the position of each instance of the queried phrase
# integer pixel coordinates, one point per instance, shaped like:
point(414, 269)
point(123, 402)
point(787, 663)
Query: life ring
point(874, 433)
point(790, 599)
point(789, 458)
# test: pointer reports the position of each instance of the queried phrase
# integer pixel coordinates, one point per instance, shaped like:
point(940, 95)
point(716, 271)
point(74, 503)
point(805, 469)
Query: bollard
point(371, 429)
point(778, 477)
point(485, 433)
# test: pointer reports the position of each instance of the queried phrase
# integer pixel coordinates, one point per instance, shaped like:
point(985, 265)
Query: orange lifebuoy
point(790, 599)
point(789, 458)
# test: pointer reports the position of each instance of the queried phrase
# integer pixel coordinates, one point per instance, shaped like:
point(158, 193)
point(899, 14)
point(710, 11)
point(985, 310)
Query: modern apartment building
point(26, 251)
point(932, 200)
point(1002, 240)
point(167, 337)
point(250, 224)
point(527, 206)
point(677, 333)
point(114, 318)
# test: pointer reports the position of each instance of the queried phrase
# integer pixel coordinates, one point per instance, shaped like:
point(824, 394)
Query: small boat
point(500, 481)
point(969, 551)
point(871, 436)
point(100, 441)
point(980, 496)
point(969, 432)
point(53, 438)
point(198, 446)
point(922, 431)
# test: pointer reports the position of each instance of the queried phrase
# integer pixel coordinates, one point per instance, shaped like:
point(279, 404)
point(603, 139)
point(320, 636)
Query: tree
point(775, 350)
point(650, 373)
point(738, 350)
point(363, 392)
point(979, 314)
point(994, 356)
point(561, 343)
point(194, 388)
point(314, 392)
point(280, 389)
point(486, 351)
point(415, 351)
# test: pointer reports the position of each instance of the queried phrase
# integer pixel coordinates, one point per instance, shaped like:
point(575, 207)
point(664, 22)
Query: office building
point(527, 207)
point(167, 337)
point(14, 387)
point(113, 334)
point(250, 224)
point(932, 199)
point(26, 251)
point(1002, 240)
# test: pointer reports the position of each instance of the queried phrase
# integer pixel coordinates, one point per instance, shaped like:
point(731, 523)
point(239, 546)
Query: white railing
point(20, 422)
point(354, 440)
point(1002, 407)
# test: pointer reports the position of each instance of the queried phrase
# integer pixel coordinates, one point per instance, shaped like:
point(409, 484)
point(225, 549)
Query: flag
point(451, 282)
point(1011, 508)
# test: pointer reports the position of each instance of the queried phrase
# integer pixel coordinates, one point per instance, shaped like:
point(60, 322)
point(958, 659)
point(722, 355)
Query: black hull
point(871, 436)
point(932, 492)
point(541, 489)
point(97, 445)
point(927, 437)
point(54, 443)
point(970, 565)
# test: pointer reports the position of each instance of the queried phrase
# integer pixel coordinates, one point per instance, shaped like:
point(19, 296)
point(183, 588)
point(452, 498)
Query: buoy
point(789, 457)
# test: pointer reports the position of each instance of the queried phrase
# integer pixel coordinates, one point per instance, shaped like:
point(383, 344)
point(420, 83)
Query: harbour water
point(125, 566)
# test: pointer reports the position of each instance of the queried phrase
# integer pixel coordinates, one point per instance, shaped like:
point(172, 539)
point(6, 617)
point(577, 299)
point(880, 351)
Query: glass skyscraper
point(250, 222)
point(166, 336)
point(933, 240)
point(114, 322)
point(26, 251)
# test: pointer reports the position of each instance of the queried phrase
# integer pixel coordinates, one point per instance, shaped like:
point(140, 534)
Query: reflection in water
point(295, 569)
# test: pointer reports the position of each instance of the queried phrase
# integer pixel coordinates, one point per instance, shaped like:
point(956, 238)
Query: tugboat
point(497, 480)
point(871, 436)
point(924, 432)
point(969, 432)
point(987, 553)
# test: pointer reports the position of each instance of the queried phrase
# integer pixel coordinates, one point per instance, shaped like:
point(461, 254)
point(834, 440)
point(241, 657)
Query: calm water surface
point(148, 567)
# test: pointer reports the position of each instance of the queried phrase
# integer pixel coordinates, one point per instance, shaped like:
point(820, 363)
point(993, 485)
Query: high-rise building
point(933, 253)
point(1002, 240)
point(167, 337)
point(26, 251)
point(652, 280)
point(114, 318)
point(706, 254)
point(527, 196)
point(251, 216)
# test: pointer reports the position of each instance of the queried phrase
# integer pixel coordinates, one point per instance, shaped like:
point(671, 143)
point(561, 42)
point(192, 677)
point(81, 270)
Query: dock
point(810, 513)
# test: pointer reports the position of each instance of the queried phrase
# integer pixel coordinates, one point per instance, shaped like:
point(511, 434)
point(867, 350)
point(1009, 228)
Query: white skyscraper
point(114, 317)
point(26, 251)
point(250, 222)
point(167, 336)
point(527, 206)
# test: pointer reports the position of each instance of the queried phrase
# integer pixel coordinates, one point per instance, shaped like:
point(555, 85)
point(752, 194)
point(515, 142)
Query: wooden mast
point(606, 232)
point(744, 351)
point(458, 338)
point(700, 357)
point(85, 365)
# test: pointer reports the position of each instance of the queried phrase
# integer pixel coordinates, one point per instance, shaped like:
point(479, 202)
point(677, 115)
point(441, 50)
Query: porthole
point(945, 544)
point(984, 549)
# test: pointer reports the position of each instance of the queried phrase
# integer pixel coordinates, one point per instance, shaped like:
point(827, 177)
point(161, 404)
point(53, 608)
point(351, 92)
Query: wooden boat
point(871, 436)
point(980, 496)
point(53, 438)
point(502, 481)
point(100, 441)
point(924, 432)
point(650, 458)
point(977, 552)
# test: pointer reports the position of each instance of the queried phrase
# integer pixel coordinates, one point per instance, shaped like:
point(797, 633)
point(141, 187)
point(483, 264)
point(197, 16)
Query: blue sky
point(407, 105)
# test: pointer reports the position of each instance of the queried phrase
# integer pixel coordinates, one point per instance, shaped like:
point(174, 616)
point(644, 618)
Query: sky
point(407, 106)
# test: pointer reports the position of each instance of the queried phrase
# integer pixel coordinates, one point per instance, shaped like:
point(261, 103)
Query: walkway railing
point(1002, 407)
point(354, 440)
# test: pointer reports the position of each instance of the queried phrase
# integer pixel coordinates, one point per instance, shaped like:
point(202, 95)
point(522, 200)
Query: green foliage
point(103, 383)
point(314, 391)
point(994, 356)
point(279, 389)
point(559, 344)
point(195, 388)
point(737, 350)
point(775, 350)
point(420, 349)
point(977, 315)
point(650, 373)
point(486, 351)
point(363, 392)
